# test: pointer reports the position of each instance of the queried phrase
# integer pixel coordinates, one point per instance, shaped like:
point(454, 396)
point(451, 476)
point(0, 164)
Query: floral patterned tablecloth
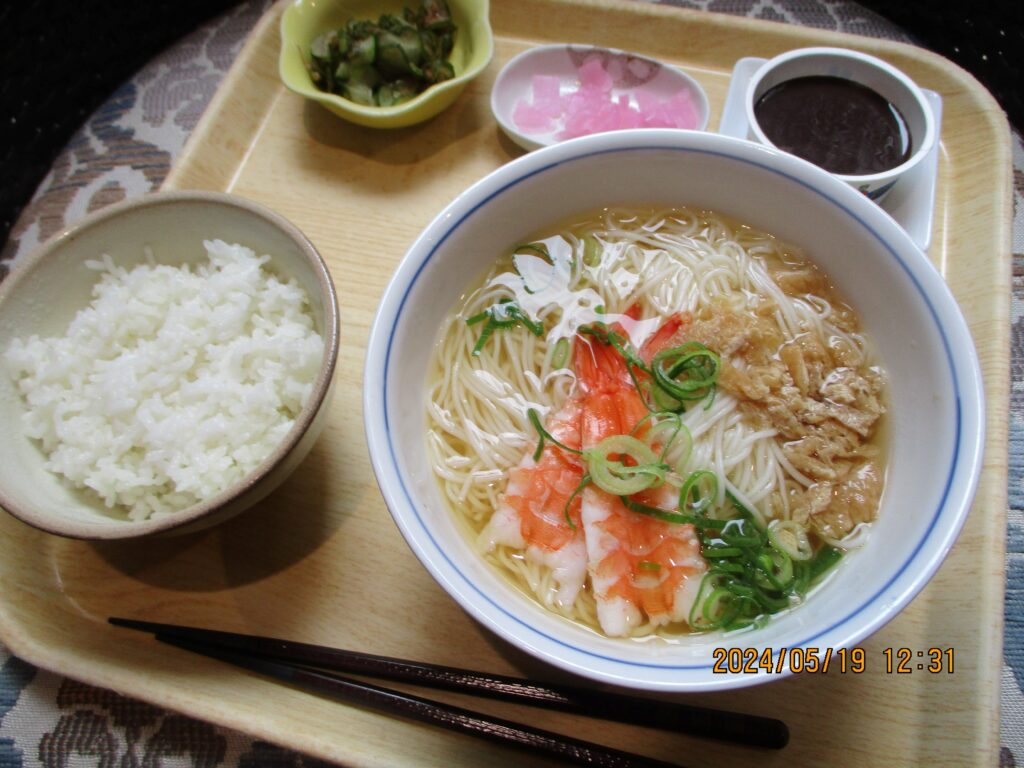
point(125, 150)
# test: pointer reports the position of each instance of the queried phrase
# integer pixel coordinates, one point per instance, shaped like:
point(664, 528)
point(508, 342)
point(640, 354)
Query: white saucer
point(630, 72)
point(911, 202)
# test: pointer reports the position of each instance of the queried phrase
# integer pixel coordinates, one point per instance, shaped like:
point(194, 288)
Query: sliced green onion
point(783, 568)
point(625, 445)
point(742, 533)
point(620, 343)
point(696, 618)
point(591, 251)
point(647, 565)
point(618, 478)
point(801, 576)
point(732, 568)
point(678, 451)
point(513, 311)
point(485, 334)
point(686, 372)
point(698, 492)
point(773, 569)
point(717, 550)
point(641, 389)
point(664, 401)
point(676, 448)
point(534, 418)
point(772, 603)
point(715, 607)
point(740, 507)
point(718, 607)
point(754, 571)
point(499, 316)
point(655, 512)
point(789, 537)
point(560, 355)
point(745, 560)
point(659, 424)
point(672, 517)
point(578, 490)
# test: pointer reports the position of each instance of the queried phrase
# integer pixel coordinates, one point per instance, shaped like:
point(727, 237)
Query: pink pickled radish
point(530, 119)
point(594, 76)
point(546, 96)
point(593, 108)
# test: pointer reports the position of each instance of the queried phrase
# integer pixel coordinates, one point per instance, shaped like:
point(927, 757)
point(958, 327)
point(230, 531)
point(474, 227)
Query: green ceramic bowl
point(304, 20)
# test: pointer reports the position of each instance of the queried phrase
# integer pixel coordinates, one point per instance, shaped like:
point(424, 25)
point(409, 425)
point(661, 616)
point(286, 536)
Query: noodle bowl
point(934, 424)
point(789, 432)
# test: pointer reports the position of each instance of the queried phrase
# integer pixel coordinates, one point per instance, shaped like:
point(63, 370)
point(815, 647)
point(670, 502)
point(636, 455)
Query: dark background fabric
point(985, 37)
point(61, 59)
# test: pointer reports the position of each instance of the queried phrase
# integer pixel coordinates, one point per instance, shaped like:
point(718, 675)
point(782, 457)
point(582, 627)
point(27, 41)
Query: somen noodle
point(781, 433)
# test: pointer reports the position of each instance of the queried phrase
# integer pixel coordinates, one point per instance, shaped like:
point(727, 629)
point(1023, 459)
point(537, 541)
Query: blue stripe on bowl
point(950, 473)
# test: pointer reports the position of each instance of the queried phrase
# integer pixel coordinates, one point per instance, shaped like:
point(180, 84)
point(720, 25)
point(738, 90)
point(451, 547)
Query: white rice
point(174, 383)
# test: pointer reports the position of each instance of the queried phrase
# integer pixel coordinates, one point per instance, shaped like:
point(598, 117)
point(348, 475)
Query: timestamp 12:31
point(903, 661)
point(896, 661)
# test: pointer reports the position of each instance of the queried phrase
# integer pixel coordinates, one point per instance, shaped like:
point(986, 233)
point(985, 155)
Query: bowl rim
point(928, 141)
point(527, 141)
point(106, 531)
point(308, 90)
point(856, 624)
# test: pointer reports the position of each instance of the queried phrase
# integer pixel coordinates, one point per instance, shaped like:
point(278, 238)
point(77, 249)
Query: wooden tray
point(321, 560)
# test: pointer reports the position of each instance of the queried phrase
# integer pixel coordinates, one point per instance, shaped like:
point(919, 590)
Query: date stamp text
point(855, 661)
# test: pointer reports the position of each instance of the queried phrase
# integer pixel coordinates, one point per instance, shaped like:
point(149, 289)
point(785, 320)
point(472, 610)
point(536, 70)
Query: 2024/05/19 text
point(900, 661)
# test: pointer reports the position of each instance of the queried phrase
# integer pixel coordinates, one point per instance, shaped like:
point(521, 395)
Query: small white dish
point(911, 202)
point(630, 73)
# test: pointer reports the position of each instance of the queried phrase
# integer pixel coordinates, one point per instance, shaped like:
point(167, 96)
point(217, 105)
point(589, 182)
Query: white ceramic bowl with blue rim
point(936, 422)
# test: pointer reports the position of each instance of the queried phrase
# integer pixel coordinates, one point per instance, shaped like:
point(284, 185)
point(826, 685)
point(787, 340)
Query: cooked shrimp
point(639, 566)
point(664, 336)
point(531, 514)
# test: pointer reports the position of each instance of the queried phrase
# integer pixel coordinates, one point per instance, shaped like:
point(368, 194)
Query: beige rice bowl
point(175, 382)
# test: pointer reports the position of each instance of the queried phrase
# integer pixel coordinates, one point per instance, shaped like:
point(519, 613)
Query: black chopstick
point(749, 730)
point(437, 713)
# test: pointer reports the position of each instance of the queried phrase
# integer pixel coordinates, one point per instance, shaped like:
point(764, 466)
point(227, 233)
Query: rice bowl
point(173, 384)
point(175, 365)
